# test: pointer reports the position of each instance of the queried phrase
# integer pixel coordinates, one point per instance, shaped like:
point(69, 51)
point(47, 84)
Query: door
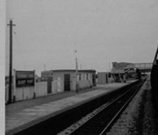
point(49, 85)
point(67, 82)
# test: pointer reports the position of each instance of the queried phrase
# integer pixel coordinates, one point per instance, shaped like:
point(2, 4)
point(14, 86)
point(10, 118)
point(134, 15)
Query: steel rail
point(71, 129)
point(119, 112)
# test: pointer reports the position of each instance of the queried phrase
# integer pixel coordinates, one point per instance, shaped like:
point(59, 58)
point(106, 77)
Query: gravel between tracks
point(138, 117)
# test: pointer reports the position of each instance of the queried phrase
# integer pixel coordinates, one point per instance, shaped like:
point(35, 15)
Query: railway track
point(99, 121)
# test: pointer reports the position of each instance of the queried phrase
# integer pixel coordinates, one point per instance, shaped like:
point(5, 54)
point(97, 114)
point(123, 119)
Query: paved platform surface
point(23, 114)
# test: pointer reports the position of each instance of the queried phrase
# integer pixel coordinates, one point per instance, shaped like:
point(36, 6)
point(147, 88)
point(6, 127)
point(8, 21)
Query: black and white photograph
point(80, 67)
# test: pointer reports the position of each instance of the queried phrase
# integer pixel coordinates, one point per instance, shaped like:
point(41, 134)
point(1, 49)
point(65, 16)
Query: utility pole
point(81, 66)
point(76, 61)
point(10, 61)
point(44, 67)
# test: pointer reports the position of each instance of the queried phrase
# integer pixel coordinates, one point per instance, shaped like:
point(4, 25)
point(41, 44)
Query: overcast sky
point(102, 31)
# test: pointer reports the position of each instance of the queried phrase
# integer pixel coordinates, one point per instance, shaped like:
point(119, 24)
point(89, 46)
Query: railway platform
point(24, 114)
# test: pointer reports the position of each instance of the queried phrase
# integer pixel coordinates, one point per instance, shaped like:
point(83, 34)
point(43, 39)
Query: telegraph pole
point(10, 60)
point(44, 67)
point(76, 61)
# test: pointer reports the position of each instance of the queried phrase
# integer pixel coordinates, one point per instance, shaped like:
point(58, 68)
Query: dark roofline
point(73, 70)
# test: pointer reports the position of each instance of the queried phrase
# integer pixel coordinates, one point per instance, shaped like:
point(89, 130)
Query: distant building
point(144, 67)
point(46, 74)
point(104, 77)
point(119, 69)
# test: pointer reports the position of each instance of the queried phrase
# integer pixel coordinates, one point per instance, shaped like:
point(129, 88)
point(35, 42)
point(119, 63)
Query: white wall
point(24, 93)
point(57, 86)
point(59, 78)
point(101, 78)
point(85, 82)
point(41, 88)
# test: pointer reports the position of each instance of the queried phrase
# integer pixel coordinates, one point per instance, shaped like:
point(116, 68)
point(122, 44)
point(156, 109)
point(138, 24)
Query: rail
point(101, 119)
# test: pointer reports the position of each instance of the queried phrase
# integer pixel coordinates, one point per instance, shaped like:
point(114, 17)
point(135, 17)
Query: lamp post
point(76, 63)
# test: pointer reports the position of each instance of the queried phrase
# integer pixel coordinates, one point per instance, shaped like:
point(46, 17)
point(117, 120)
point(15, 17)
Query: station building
point(104, 77)
point(69, 82)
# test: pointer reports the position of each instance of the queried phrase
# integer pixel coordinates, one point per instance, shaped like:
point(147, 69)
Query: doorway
point(49, 85)
point(66, 82)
